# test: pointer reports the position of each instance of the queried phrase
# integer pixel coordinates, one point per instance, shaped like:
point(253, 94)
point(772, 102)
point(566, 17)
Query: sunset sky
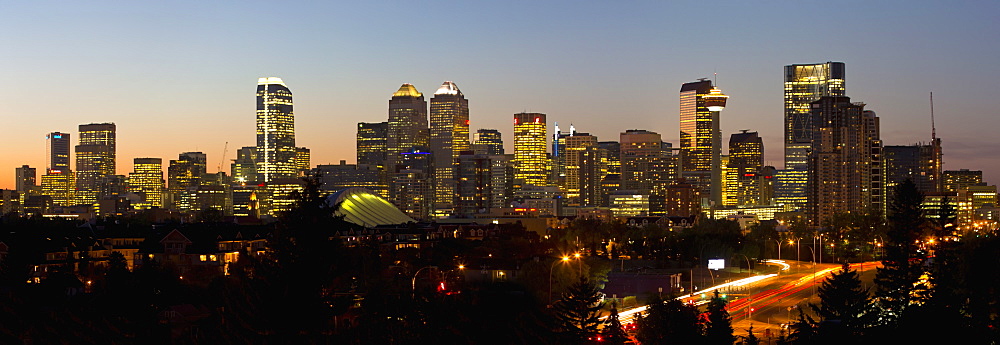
point(180, 76)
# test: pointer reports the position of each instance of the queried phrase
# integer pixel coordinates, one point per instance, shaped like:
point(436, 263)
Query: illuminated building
point(407, 124)
point(911, 162)
point(971, 199)
point(449, 137)
point(146, 181)
point(113, 186)
point(956, 180)
point(362, 207)
point(183, 173)
point(746, 159)
point(933, 204)
point(804, 84)
point(791, 188)
point(10, 202)
point(278, 196)
point(474, 188)
point(530, 138)
point(205, 197)
point(244, 167)
point(25, 179)
point(625, 204)
point(488, 142)
point(844, 165)
point(640, 153)
point(95, 159)
point(57, 150)
point(334, 178)
point(501, 180)
point(60, 187)
point(682, 199)
point(302, 158)
point(613, 152)
point(275, 130)
point(371, 143)
point(412, 186)
point(245, 200)
point(700, 137)
point(583, 166)
point(762, 212)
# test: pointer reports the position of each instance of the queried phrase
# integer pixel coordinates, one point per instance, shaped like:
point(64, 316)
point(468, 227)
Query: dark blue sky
point(180, 76)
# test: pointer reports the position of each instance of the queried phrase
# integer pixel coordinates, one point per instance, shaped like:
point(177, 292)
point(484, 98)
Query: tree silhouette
point(577, 313)
point(614, 332)
point(670, 322)
point(719, 329)
point(901, 264)
point(843, 303)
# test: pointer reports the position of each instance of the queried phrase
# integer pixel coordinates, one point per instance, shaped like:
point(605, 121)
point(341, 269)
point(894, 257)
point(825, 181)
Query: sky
point(179, 76)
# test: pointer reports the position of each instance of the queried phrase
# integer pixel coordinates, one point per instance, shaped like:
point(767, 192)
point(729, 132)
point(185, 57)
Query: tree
point(901, 265)
point(750, 338)
point(843, 301)
point(577, 313)
point(803, 330)
point(719, 329)
point(670, 322)
point(613, 332)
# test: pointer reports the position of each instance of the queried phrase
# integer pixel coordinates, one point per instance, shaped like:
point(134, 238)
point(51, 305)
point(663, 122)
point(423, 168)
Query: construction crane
point(225, 149)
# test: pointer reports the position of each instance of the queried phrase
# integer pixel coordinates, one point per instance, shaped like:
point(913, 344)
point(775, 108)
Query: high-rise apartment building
point(407, 124)
point(95, 159)
point(845, 162)
point(449, 137)
point(146, 181)
point(25, 179)
point(57, 151)
point(530, 142)
point(911, 162)
point(184, 173)
point(371, 143)
point(488, 142)
point(275, 130)
point(956, 180)
point(700, 137)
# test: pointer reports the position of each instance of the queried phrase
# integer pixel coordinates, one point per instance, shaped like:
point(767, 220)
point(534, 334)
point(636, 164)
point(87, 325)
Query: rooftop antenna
point(933, 128)
point(936, 144)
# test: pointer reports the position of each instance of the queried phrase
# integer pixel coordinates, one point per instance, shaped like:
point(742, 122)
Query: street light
point(413, 283)
point(564, 259)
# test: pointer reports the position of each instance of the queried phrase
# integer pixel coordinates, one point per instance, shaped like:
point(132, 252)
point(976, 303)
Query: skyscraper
point(844, 165)
point(530, 160)
point(57, 150)
point(244, 167)
point(275, 130)
point(584, 169)
point(746, 159)
point(95, 159)
point(804, 84)
point(371, 143)
point(700, 137)
point(407, 124)
point(488, 142)
point(302, 161)
point(182, 174)
point(641, 154)
point(449, 137)
point(25, 179)
point(146, 181)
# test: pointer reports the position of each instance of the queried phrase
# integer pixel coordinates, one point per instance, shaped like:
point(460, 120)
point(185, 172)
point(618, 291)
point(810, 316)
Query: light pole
point(413, 283)
point(563, 259)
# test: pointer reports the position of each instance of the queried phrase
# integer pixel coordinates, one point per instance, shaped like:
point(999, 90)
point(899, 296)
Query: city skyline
point(333, 96)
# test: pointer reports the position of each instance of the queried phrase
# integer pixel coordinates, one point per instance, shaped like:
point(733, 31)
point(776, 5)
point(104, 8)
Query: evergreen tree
point(670, 322)
point(843, 300)
point(614, 332)
point(901, 264)
point(577, 313)
point(719, 329)
point(803, 331)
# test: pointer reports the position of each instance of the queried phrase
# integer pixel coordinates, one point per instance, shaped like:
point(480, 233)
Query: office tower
point(184, 173)
point(502, 180)
point(613, 153)
point(641, 160)
point(530, 159)
point(275, 130)
point(584, 167)
point(334, 178)
point(95, 159)
point(449, 136)
point(956, 180)
point(60, 187)
point(682, 199)
point(766, 182)
point(407, 124)
point(804, 84)
point(971, 199)
point(474, 184)
point(244, 167)
point(844, 165)
point(112, 186)
point(700, 137)
point(371, 143)
point(25, 179)
point(57, 150)
point(488, 142)
point(411, 187)
point(746, 158)
point(301, 161)
point(911, 162)
point(146, 181)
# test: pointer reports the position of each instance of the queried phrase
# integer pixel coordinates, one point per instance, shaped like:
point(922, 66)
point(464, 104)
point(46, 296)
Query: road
point(768, 300)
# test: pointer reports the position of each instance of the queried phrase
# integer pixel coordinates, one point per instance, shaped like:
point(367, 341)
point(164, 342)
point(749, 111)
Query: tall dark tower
point(275, 130)
point(449, 137)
